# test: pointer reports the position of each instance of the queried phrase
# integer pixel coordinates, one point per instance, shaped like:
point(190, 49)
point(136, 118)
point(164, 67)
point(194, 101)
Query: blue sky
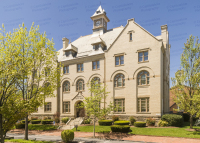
point(71, 18)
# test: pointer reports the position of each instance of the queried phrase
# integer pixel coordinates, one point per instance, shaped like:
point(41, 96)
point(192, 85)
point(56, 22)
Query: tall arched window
point(119, 80)
point(143, 78)
point(80, 86)
point(66, 86)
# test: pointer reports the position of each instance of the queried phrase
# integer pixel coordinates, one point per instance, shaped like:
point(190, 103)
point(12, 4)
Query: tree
point(187, 80)
point(29, 73)
point(92, 104)
point(38, 69)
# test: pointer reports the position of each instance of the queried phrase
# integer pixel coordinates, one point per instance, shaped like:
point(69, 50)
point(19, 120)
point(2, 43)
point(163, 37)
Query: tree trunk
point(1, 129)
point(191, 122)
point(94, 127)
point(26, 128)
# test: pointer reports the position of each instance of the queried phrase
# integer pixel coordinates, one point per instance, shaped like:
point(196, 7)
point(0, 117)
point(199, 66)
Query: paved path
point(86, 135)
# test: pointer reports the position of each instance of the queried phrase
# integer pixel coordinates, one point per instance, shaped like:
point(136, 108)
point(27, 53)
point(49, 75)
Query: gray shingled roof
point(83, 44)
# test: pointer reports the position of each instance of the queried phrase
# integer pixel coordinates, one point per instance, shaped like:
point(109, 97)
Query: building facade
point(130, 61)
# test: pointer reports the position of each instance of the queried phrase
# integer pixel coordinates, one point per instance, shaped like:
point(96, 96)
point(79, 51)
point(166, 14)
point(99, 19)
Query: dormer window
point(98, 12)
point(67, 53)
point(96, 47)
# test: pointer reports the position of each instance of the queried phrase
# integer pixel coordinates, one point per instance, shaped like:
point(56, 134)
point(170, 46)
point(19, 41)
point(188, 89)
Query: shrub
point(65, 120)
point(34, 118)
point(162, 123)
point(23, 121)
point(120, 128)
point(46, 118)
point(186, 117)
point(42, 127)
point(57, 119)
point(121, 123)
point(173, 119)
point(115, 118)
point(35, 121)
point(140, 124)
point(67, 135)
point(20, 125)
point(105, 122)
point(44, 122)
point(150, 121)
point(87, 121)
point(132, 120)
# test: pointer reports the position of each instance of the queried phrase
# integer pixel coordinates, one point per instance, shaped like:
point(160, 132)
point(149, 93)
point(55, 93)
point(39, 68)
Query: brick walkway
point(115, 136)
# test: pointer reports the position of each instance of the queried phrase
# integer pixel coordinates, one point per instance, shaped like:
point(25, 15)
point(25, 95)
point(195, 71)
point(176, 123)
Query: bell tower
point(99, 21)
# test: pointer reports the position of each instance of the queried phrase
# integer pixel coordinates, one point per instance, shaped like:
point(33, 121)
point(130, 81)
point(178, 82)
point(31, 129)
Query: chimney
point(65, 42)
point(164, 34)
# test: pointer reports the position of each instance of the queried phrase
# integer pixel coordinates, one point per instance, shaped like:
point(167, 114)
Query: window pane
point(143, 79)
point(140, 59)
point(130, 36)
point(98, 66)
point(67, 69)
point(116, 60)
point(146, 54)
point(143, 105)
point(78, 67)
point(94, 65)
point(146, 58)
point(138, 105)
point(148, 105)
point(147, 80)
point(82, 67)
point(121, 60)
point(80, 85)
point(119, 81)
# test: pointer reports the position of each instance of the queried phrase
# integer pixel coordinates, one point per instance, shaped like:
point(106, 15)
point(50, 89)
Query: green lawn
point(26, 141)
point(171, 132)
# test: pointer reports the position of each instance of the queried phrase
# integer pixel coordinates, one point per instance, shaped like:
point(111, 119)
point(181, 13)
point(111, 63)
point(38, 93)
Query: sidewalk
point(57, 133)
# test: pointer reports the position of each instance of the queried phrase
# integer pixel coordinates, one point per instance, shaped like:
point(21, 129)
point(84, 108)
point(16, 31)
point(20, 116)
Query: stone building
point(130, 61)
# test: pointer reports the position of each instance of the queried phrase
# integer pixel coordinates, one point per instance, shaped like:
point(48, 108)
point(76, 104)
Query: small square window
point(95, 65)
point(119, 60)
point(80, 67)
point(143, 56)
point(66, 69)
point(47, 107)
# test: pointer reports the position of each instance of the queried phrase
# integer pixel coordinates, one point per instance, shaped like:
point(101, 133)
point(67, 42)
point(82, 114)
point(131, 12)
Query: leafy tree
point(29, 72)
point(187, 80)
point(92, 104)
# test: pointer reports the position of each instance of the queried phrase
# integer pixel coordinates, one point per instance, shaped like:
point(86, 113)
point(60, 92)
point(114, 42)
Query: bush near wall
point(23, 121)
point(140, 124)
point(20, 125)
point(105, 122)
point(120, 128)
point(65, 120)
point(150, 121)
point(173, 120)
point(87, 121)
point(44, 122)
point(35, 121)
point(115, 118)
point(67, 135)
point(132, 120)
point(121, 123)
point(162, 123)
point(34, 118)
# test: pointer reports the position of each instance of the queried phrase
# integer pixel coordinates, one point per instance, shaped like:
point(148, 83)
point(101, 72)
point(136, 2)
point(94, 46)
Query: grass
point(26, 141)
point(170, 132)
point(42, 127)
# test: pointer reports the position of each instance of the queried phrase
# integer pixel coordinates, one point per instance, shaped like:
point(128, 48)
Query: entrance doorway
point(79, 112)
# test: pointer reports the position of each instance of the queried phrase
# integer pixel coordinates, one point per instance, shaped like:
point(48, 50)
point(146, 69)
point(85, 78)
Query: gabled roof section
point(99, 11)
point(97, 40)
point(71, 47)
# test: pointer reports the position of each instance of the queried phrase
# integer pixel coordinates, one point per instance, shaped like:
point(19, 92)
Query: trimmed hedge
point(65, 120)
point(20, 125)
point(140, 124)
point(173, 120)
point(23, 121)
point(35, 121)
point(34, 118)
point(120, 128)
point(105, 122)
point(121, 123)
point(44, 122)
point(67, 135)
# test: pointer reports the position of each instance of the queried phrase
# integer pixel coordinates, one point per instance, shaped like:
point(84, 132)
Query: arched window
point(143, 78)
point(96, 80)
point(66, 86)
point(80, 86)
point(119, 80)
